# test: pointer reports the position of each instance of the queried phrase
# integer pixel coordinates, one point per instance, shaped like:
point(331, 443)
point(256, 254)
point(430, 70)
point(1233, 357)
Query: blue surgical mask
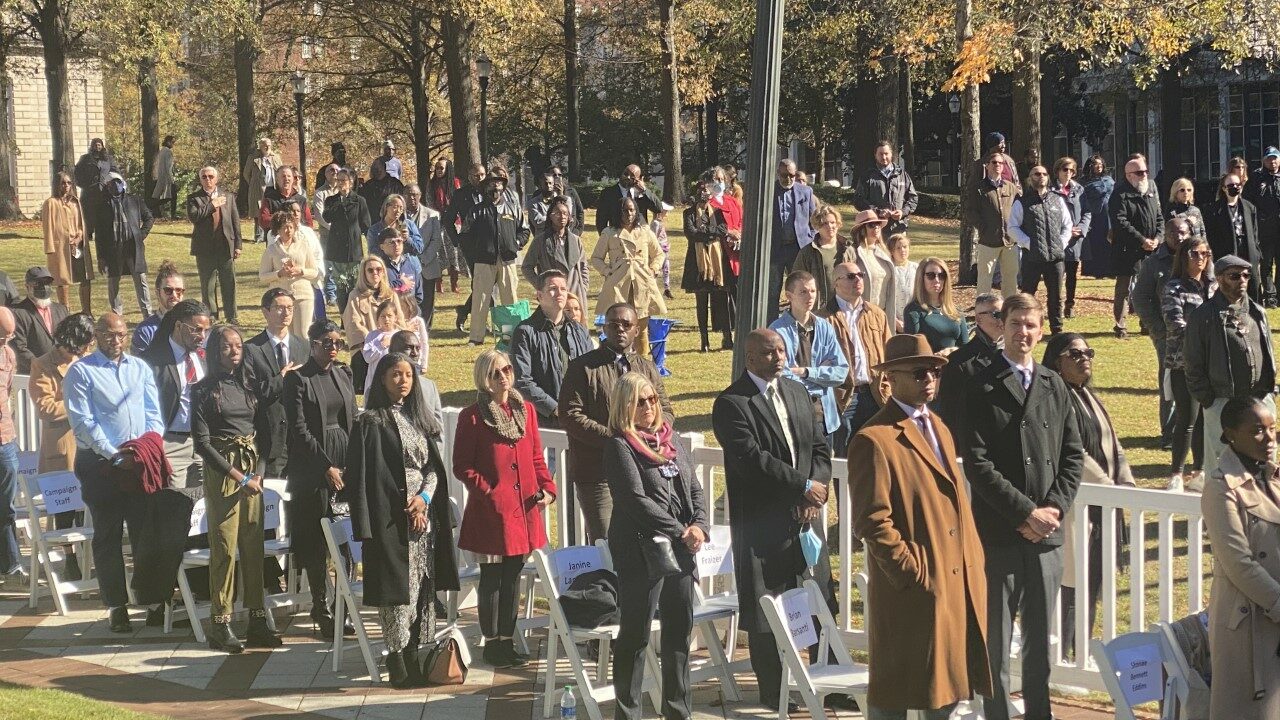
point(811, 545)
point(717, 187)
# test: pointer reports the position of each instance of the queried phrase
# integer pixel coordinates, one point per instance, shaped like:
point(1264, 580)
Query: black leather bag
point(659, 557)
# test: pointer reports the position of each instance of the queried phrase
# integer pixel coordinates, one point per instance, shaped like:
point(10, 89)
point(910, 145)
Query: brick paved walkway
point(172, 675)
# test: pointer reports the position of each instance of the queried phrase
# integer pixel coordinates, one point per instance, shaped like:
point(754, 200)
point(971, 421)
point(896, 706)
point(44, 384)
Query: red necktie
point(191, 369)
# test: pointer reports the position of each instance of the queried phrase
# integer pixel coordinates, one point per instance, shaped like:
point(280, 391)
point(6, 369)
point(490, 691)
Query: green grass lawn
point(23, 703)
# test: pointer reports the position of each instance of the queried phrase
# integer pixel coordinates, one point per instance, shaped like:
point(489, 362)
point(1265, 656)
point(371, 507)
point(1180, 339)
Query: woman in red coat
point(497, 453)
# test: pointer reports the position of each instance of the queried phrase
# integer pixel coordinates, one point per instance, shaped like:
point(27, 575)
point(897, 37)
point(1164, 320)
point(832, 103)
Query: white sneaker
point(1175, 483)
point(1195, 482)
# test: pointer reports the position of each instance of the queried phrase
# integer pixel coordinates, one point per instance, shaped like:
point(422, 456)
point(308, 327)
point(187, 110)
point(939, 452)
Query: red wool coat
point(503, 478)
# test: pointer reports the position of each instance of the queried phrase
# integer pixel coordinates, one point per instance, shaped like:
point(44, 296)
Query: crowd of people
point(868, 356)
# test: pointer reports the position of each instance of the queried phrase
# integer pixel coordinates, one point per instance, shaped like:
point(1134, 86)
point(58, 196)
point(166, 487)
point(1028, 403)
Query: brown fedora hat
point(868, 217)
point(903, 349)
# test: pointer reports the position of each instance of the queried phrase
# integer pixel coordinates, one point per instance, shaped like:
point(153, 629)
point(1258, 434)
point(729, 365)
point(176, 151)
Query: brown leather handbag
point(446, 663)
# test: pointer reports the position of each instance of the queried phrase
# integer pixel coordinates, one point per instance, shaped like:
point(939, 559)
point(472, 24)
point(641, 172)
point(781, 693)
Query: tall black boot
point(221, 637)
point(705, 345)
point(260, 635)
point(396, 669)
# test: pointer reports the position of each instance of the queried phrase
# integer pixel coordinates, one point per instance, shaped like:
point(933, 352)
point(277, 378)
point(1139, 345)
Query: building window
point(1128, 131)
point(1199, 150)
point(1254, 116)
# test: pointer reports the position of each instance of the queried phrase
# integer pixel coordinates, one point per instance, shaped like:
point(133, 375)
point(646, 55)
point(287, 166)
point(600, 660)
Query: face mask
point(1233, 191)
point(717, 187)
point(811, 545)
point(43, 291)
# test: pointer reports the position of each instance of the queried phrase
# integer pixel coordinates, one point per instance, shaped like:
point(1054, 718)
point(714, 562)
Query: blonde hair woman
point(64, 220)
point(1182, 201)
point(932, 311)
point(392, 215)
point(361, 316)
point(289, 263)
point(904, 271)
point(827, 250)
point(876, 264)
point(630, 258)
point(656, 497)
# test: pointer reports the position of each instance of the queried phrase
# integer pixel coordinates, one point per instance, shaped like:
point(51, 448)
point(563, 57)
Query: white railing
point(1174, 582)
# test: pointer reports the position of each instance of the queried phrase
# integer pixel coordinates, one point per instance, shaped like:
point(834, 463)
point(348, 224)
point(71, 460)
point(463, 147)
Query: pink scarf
point(657, 449)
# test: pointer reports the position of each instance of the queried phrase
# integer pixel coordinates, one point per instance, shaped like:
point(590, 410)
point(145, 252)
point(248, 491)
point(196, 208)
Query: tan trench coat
point(629, 261)
point(1243, 524)
point(1092, 472)
point(925, 565)
point(57, 443)
point(60, 220)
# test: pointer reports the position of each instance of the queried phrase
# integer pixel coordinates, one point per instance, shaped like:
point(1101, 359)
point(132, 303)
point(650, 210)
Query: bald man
point(777, 466)
point(630, 185)
point(1135, 232)
point(111, 398)
point(10, 559)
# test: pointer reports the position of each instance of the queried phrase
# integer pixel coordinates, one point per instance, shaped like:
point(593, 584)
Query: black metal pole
point(761, 157)
point(302, 142)
point(484, 119)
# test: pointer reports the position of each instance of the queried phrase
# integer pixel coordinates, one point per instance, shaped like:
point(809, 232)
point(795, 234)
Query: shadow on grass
point(1132, 391)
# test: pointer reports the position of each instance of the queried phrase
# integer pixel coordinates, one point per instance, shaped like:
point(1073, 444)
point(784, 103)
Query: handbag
point(659, 557)
point(444, 663)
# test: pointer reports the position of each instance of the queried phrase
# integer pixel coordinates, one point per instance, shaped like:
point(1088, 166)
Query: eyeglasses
point(1039, 174)
point(925, 373)
point(935, 275)
point(195, 329)
point(1198, 254)
point(1139, 173)
point(1077, 354)
point(647, 400)
point(283, 309)
point(992, 313)
point(376, 270)
point(851, 276)
point(1242, 275)
point(501, 372)
point(620, 324)
point(174, 291)
point(330, 344)
point(1069, 170)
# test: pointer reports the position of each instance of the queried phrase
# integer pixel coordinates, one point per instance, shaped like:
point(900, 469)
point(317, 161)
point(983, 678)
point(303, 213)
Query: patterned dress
point(397, 620)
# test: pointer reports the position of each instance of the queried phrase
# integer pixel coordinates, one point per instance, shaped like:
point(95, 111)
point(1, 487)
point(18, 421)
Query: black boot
point(396, 669)
point(727, 342)
point(518, 659)
point(321, 616)
point(494, 655)
point(260, 635)
point(413, 666)
point(120, 620)
point(706, 342)
point(222, 638)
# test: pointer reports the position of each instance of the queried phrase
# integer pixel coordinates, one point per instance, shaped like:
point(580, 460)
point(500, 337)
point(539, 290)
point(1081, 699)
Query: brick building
point(30, 170)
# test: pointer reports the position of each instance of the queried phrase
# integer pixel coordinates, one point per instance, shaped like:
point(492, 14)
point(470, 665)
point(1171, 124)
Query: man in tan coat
point(925, 561)
point(862, 329)
point(258, 174)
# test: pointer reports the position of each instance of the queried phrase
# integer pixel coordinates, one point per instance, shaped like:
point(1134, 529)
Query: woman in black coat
point(706, 268)
point(655, 494)
point(399, 494)
point(319, 402)
point(1231, 224)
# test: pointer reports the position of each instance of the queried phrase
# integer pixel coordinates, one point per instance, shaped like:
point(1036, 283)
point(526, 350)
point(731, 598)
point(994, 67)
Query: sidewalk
point(172, 675)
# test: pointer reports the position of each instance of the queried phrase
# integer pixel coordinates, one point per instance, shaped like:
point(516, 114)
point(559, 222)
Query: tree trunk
point(9, 209)
point(820, 150)
point(58, 85)
point(246, 54)
point(418, 83)
point(866, 131)
point(460, 74)
point(906, 119)
point(1170, 128)
point(713, 130)
point(573, 146)
point(1026, 141)
point(673, 187)
point(150, 107)
point(886, 109)
point(970, 126)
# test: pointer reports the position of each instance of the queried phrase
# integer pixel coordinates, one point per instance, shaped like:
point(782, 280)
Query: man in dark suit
point(176, 356)
point(971, 358)
point(792, 206)
point(584, 411)
point(215, 241)
point(1023, 459)
point(777, 467)
point(631, 184)
point(35, 318)
point(270, 355)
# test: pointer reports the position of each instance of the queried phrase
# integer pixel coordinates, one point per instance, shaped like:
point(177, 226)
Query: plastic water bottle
point(568, 704)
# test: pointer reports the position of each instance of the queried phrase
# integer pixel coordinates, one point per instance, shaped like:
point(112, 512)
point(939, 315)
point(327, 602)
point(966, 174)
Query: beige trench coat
point(1092, 472)
point(1243, 524)
point(60, 221)
point(629, 261)
point(57, 443)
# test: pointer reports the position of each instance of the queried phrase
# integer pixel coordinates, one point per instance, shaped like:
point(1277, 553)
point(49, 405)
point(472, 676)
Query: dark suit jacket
point(1222, 239)
point(647, 503)
point(273, 429)
point(584, 407)
point(308, 461)
point(609, 206)
point(962, 365)
point(764, 483)
point(799, 218)
point(159, 356)
point(1022, 450)
point(30, 338)
point(206, 241)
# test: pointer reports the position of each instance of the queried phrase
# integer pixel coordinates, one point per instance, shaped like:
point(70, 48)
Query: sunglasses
point(1184, 190)
point(851, 276)
point(1235, 186)
point(504, 371)
point(1039, 174)
point(787, 175)
point(330, 344)
point(194, 329)
point(925, 373)
point(647, 400)
point(208, 177)
point(1077, 354)
point(935, 275)
point(1242, 275)
point(174, 291)
point(1139, 173)
point(1198, 254)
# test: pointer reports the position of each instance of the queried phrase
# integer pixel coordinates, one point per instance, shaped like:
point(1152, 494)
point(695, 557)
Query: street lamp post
point(301, 87)
point(484, 68)
point(953, 104)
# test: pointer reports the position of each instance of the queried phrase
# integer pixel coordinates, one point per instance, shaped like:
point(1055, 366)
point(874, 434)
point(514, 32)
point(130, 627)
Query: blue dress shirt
point(110, 403)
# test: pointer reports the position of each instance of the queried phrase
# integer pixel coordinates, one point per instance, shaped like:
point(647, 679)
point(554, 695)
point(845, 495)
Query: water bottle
point(568, 704)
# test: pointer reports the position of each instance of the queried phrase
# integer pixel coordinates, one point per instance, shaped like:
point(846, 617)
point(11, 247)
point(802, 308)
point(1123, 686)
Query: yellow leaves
point(978, 57)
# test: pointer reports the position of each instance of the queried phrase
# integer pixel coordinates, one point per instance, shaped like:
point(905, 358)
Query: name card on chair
point(716, 556)
point(342, 535)
point(270, 510)
point(28, 463)
point(799, 617)
point(61, 492)
point(574, 561)
point(199, 522)
point(1141, 673)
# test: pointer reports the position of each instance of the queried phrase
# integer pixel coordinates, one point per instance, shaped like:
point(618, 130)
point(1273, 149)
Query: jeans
point(942, 713)
point(226, 271)
point(139, 287)
point(862, 407)
point(111, 510)
point(1159, 339)
point(1032, 271)
point(1022, 580)
point(10, 559)
point(1188, 425)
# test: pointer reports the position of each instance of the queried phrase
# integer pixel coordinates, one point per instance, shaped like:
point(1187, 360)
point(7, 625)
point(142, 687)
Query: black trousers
point(1188, 424)
point(1032, 271)
point(500, 596)
point(111, 510)
point(1070, 606)
point(226, 272)
point(1072, 275)
point(1269, 245)
point(638, 599)
point(428, 304)
point(1021, 581)
point(780, 264)
point(306, 541)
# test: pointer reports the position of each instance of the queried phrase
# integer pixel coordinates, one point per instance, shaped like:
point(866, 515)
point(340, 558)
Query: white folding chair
point(790, 616)
point(275, 497)
point(1131, 668)
point(716, 561)
point(1186, 694)
point(194, 558)
point(348, 594)
point(556, 571)
point(52, 493)
point(468, 572)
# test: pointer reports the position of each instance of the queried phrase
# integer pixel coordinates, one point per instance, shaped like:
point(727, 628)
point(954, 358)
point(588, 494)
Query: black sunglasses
point(925, 373)
point(1077, 354)
point(330, 344)
point(936, 275)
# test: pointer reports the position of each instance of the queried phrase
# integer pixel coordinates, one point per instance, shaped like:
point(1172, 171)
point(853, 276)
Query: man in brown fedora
point(925, 561)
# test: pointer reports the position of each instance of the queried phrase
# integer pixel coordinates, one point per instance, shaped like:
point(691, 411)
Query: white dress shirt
point(861, 373)
point(771, 393)
point(1025, 372)
point(182, 419)
point(924, 420)
point(1064, 224)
